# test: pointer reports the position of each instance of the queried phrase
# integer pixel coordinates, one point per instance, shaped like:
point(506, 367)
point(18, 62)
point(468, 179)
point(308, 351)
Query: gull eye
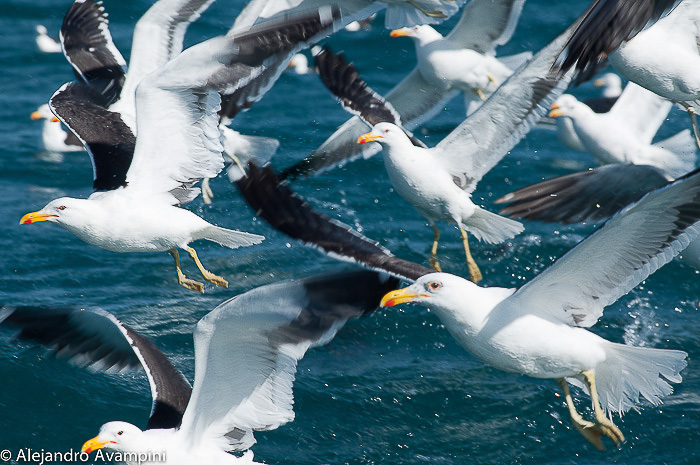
point(62, 207)
point(120, 433)
point(434, 285)
point(386, 131)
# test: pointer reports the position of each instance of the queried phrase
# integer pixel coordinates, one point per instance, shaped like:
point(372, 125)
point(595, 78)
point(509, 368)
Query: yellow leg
point(474, 272)
point(588, 429)
point(207, 193)
point(694, 122)
point(480, 94)
point(208, 275)
point(181, 279)
point(492, 80)
point(433, 251)
point(430, 13)
point(603, 422)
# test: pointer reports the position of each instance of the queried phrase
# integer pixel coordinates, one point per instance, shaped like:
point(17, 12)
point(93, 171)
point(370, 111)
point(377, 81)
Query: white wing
point(642, 110)
point(158, 38)
point(246, 351)
point(613, 260)
point(486, 24)
point(178, 138)
point(484, 138)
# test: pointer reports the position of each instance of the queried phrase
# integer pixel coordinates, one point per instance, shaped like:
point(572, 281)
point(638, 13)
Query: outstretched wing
point(88, 47)
point(98, 340)
point(108, 140)
point(617, 257)
point(485, 137)
point(158, 38)
point(486, 24)
point(246, 351)
point(592, 195)
point(277, 204)
point(603, 27)
point(178, 126)
point(343, 80)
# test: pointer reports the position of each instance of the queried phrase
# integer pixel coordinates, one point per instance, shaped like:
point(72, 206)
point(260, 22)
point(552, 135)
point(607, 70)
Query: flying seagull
point(538, 329)
point(133, 208)
point(245, 353)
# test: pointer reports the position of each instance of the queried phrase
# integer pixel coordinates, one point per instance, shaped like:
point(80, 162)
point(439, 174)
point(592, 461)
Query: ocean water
point(393, 387)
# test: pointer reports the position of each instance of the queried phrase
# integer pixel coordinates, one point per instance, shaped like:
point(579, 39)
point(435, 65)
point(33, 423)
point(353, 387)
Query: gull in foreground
point(134, 208)
point(539, 328)
point(245, 354)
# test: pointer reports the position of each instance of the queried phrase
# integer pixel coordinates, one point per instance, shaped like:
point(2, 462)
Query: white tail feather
point(492, 228)
point(230, 238)
point(630, 372)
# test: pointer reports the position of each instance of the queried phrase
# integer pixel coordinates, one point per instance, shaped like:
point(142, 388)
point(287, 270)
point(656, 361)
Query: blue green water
point(391, 388)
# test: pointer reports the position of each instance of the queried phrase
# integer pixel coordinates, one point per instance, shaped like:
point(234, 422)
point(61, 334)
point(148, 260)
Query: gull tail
point(242, 149)
point(683, 157)
point(229, 237)
point(630, 372)
point(492, 228)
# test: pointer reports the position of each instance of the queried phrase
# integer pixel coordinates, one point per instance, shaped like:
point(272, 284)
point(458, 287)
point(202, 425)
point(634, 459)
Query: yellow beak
point(599, 82)
point(555, 111)
point(94, 444)
point(35, 115)
point(404, 31)
point(55, 120)
point(35, 217)
point(399, 296)
point(369, 137)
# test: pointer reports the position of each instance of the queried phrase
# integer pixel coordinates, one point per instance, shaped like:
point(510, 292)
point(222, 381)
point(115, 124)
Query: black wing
point(97, 339)
point(592, 195)
point(287, 212)
point(108, 140)
point(88, 46)
point(266, 48)
point(604, 26)
point(343, 80)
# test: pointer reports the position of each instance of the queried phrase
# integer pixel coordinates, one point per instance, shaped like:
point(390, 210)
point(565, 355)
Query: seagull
point(456, 62)
point(45, 42)
point(134, 206)
point(439, 181)
point(538, 329)
point(158, 38)
point(611, 84)
point(483, 26)
point(53, 137)
point(663, 58)
point(245, 353)
point(425, 178)
point(624, 134)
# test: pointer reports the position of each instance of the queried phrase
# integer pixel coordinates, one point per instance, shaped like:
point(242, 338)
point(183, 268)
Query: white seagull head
point(64, 211)
point(387, 134)
point(434, 289)
point(423, 34)
point(567, 105)
point(116, 435)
